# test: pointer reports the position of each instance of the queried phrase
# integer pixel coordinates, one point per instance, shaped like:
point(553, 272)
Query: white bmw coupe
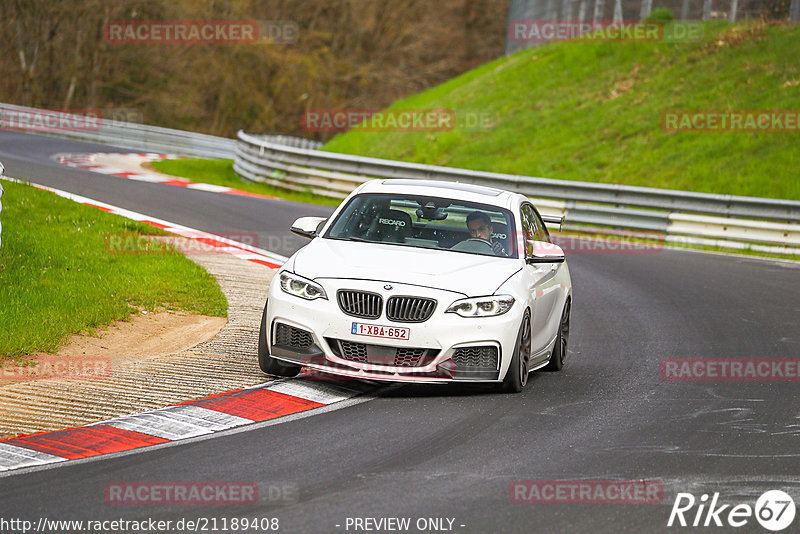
point(421, 281)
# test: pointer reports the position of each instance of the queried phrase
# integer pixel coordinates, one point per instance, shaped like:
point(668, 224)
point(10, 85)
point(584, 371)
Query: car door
point(541, 282)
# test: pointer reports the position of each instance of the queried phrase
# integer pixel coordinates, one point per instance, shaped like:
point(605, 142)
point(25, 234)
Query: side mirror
point(307, 226)
point(544, 252)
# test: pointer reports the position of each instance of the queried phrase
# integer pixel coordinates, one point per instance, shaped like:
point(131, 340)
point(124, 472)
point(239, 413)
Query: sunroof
point(470, 188)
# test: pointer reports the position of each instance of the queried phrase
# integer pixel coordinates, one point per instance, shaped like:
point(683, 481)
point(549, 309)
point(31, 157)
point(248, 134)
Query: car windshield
point(427, 222)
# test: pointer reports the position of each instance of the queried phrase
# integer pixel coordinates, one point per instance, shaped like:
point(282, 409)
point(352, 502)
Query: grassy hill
point(592, 112)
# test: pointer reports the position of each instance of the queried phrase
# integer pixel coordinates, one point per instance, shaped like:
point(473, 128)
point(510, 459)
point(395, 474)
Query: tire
point(267, 363)
point(559, 355)
point(517, 374)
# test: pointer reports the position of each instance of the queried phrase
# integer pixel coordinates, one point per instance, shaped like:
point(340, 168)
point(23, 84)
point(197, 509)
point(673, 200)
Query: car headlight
point(482, 306)
point(301, 287)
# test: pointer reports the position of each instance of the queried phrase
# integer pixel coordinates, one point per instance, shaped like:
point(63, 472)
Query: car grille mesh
point(410, 309)
point(360, 303)
point(354, 352)
point(406, 357)
point(292, 337)
point(483, 357)
point(382, 355)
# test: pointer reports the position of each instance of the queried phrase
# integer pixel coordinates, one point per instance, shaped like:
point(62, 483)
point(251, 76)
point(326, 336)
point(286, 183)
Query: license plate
point(376, 330)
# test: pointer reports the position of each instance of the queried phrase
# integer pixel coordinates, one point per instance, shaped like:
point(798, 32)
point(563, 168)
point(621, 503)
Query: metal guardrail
point(701, 218)
point(290, 162)
point(111, 132)
point(289, 140)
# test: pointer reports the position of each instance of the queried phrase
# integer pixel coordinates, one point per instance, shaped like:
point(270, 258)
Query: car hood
point(469, 274)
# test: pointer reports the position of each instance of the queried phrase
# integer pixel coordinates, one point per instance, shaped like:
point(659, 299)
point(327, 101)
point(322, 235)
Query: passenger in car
point(480, 227)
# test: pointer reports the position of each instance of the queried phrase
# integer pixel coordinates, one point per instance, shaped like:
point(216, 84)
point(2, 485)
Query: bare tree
point(647, 7)
point(582, 11)
point(734, 8)
point(598, 9)
point(31, 36)
point(617, 10)
point(349, 53)
point(550, 10)
point(685, 10)
point(566, 6)
point(706, 9)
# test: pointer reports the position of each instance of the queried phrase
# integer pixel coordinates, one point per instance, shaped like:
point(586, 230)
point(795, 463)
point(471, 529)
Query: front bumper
point(445, 348)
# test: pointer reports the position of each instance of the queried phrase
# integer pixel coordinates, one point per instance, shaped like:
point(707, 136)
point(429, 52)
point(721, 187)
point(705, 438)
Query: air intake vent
point(472, 357)
point(354, 352)
point(360, 303)
point(410, 309)
point(410, 357)
point(382, 355)
point(292, 337)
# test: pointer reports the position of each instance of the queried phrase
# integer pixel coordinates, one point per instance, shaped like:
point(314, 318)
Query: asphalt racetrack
point(449, 458)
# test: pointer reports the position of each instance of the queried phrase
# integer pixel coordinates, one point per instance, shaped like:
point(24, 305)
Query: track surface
point(451, 452)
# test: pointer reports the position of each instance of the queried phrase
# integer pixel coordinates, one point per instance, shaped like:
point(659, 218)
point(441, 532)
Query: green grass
point(592, 112)
point(220, 172)
point(57, 279)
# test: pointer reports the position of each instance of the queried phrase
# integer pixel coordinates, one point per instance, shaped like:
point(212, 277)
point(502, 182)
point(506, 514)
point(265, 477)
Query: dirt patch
point(734, 36)
point(147, 335)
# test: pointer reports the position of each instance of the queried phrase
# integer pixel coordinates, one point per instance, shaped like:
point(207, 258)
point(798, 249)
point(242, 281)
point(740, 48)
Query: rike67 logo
point(774, 510)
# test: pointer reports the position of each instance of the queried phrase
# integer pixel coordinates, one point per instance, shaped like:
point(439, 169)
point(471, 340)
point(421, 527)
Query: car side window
point(528, 229)
point(541, 229)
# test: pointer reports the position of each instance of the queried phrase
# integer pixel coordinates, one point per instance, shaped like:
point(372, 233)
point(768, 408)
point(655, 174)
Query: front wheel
point(267, 363)
point(559, 356)
point(517, 374)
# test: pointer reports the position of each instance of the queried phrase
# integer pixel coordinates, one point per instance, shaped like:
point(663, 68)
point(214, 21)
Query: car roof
point(454, 190)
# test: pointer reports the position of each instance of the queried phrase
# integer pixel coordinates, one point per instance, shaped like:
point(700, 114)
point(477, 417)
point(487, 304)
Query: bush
point(660, 14)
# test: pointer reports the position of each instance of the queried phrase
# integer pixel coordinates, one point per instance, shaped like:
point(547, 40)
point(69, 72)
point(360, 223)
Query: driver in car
point(480, 227)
